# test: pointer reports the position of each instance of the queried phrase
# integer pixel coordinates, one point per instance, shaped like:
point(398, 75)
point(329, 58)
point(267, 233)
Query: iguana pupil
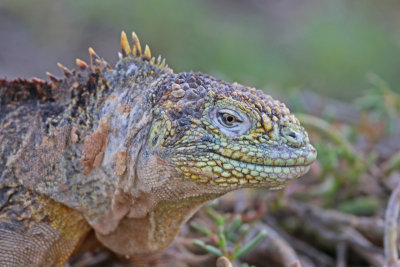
point(229, 118)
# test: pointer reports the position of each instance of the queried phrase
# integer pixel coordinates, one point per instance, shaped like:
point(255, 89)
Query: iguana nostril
point(293, 137)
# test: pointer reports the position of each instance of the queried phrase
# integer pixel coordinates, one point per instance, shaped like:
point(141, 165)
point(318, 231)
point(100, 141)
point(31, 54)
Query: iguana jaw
point(226, 169)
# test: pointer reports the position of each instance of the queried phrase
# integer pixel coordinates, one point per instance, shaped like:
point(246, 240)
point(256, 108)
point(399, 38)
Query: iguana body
point(130, 152)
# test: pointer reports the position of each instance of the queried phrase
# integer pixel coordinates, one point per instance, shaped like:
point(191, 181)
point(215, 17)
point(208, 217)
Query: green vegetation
point(227, 239)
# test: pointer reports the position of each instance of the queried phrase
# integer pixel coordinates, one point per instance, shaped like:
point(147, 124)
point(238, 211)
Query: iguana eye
point(230, 122)
point(228, 118)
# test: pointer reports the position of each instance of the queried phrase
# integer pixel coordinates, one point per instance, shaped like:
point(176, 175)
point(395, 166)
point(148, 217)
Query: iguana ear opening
point(156, 134)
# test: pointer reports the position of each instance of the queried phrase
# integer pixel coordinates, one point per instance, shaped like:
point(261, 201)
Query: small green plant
point(381, 102)
point(227, 238)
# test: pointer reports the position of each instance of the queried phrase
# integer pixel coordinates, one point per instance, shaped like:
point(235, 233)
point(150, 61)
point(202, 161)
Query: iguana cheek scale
point(130, 151)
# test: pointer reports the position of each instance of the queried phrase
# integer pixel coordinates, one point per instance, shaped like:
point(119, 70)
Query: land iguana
point(130, 152)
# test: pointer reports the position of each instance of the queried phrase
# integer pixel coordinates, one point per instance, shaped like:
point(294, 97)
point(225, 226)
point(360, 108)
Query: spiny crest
point(97, 64)
point(82, 64)
point(136, 50)
point(55, 82)
point(67, 73)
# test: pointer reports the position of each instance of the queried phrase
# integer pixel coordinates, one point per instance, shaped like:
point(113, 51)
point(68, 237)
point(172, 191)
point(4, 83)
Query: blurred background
point(328, 47)
point(336, 64)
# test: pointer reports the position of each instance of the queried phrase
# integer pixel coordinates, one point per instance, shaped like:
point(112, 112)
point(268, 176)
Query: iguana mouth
point(272, 158)
point(242, 172)
point(216, 168)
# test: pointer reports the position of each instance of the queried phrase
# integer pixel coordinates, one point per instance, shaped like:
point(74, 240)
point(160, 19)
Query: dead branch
point(391, 218)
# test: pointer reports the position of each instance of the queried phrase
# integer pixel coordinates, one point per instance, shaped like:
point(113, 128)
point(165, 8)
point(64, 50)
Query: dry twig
point(391, 218)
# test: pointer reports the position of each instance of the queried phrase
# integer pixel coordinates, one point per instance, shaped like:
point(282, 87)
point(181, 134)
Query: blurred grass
point(326, 46)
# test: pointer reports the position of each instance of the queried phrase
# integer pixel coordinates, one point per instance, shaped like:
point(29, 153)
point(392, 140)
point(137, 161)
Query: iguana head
point(226, 135)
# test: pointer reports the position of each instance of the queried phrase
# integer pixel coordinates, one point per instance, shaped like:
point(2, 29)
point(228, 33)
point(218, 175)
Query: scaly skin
point(130, 152)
